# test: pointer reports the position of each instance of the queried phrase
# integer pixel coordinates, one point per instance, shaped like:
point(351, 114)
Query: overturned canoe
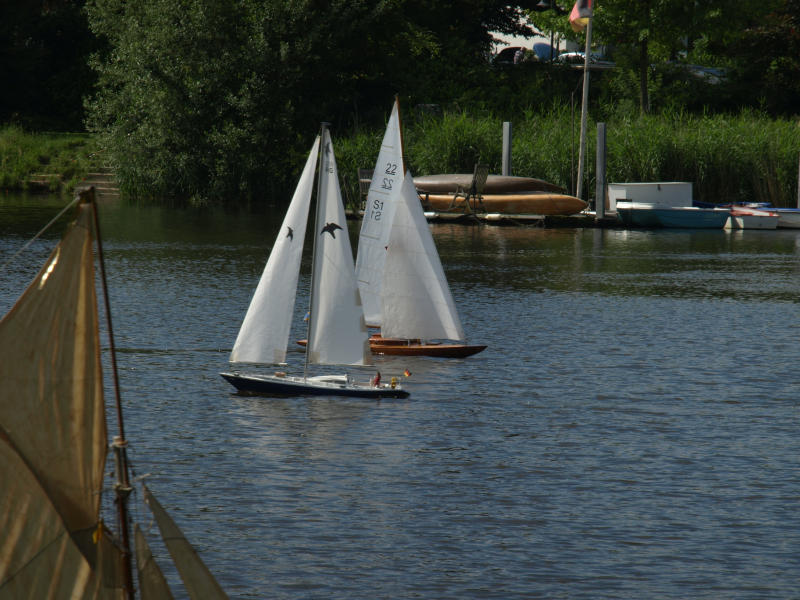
point(535, 203)
point(495, 184)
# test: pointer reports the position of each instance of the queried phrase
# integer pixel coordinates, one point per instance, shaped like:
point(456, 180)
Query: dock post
point(600, 173)
point(506, 147)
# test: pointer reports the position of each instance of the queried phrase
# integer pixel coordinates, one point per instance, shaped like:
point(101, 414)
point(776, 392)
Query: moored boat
point(533, 202)
point(746, 217)
point(788, 218)
point(637, 214)
point(495, 184)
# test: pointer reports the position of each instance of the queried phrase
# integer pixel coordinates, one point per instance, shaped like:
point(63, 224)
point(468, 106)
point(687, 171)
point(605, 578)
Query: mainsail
point(338, 333)
point(53, 438)
point(416, 300)
point(264, 334)
point(384, 190)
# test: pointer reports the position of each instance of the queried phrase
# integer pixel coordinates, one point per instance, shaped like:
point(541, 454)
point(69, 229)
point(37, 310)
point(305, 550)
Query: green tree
point(44, 47)
point(203, 99)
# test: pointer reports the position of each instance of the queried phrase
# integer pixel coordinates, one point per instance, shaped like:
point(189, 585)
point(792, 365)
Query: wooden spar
point(123, 486)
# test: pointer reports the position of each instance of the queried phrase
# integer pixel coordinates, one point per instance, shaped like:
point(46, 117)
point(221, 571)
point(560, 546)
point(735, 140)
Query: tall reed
point(727, 158)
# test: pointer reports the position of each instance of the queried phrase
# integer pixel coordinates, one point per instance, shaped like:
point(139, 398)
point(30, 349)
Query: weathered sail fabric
point(264, 334)
point(152, 584)
point(53, 433)
point(198, 580)
point(376, 225)
point(416, 299)
point(338, 332)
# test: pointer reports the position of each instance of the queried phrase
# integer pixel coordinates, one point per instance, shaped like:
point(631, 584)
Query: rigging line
point(45, 228)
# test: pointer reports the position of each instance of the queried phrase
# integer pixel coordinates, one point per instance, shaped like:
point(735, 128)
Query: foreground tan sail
point(199, 581)
point(53, 438)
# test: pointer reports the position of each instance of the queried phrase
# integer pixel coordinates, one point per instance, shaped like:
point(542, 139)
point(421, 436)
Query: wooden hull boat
point(404, 347)
point(321, 385)
point(401, 347)
point(536, 203)
point(495, 184)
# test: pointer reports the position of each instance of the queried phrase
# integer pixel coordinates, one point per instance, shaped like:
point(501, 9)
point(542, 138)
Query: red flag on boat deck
point(580, 15)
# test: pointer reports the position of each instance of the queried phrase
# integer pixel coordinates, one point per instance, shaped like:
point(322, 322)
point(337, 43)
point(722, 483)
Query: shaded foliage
point(44, 49)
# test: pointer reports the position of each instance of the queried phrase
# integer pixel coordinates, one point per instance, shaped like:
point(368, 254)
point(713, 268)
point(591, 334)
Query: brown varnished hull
point(397, 347)
point(450, 183)
point(400, 347)
point(534, 204)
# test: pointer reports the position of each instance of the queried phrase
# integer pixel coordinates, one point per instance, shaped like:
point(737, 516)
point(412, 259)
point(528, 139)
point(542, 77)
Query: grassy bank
point(54, 162)
point(746, 157)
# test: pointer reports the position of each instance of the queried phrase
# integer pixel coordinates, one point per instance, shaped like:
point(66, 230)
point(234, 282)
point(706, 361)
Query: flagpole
point(584, 109)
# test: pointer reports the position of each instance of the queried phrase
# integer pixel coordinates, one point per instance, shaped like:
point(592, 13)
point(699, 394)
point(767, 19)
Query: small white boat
point(337, 332)
point(745, 217)
point(788, 218)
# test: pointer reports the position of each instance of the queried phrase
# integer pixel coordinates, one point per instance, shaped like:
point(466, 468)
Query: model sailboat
point(54, 442)
point(336, 327)
point(400, 275)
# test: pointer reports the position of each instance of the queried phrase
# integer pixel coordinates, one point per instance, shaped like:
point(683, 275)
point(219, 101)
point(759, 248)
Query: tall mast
point(123, 486)
point(402, 143)
point(318, 214)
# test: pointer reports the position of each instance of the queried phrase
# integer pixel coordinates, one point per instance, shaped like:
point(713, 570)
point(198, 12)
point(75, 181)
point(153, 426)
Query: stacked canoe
point(503, 194)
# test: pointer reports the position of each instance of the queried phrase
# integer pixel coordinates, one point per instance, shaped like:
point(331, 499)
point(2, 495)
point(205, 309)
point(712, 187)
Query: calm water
point(631, 431)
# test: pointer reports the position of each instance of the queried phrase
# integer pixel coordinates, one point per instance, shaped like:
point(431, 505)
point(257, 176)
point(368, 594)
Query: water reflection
point(631, 422)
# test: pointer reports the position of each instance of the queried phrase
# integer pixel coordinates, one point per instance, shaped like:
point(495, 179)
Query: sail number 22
point(386, 184)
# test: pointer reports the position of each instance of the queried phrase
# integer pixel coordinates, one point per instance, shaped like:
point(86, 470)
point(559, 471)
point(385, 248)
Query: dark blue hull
point(269, 385)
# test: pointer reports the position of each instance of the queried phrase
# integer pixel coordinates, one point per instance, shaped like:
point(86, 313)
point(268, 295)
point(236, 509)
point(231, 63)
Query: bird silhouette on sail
point(330, 228)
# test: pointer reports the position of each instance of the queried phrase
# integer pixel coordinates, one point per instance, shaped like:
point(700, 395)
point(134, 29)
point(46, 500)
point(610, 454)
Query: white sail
point(416, 300)
point(338, 333)
point(264, 334)
point(378, 212)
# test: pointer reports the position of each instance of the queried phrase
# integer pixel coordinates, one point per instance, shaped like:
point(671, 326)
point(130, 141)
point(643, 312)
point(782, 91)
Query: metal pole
point(584, 111)
point(600, 173)
point(507, 148)
point(798, 182)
